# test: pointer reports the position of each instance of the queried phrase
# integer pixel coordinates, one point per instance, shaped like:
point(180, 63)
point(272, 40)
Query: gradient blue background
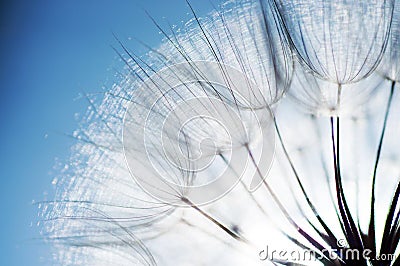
point(51, 52)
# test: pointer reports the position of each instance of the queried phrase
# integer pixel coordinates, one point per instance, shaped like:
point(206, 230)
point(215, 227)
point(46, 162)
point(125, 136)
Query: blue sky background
point(50, 52)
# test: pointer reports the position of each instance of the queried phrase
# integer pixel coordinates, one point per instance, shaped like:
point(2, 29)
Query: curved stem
point(371, 229)
point(307, 198)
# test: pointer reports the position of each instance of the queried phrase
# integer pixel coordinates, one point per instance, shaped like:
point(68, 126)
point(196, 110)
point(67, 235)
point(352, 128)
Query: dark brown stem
point(231, 233)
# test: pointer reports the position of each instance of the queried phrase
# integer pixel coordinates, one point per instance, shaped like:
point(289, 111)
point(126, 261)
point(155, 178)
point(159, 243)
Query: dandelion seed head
point(156, 124)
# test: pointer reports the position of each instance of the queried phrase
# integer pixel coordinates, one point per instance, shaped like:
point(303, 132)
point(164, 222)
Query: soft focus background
point(51, 53)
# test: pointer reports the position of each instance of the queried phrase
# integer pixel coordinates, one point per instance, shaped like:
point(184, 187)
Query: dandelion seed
point(320, 97)
point(389, 67)
point(339, 41)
